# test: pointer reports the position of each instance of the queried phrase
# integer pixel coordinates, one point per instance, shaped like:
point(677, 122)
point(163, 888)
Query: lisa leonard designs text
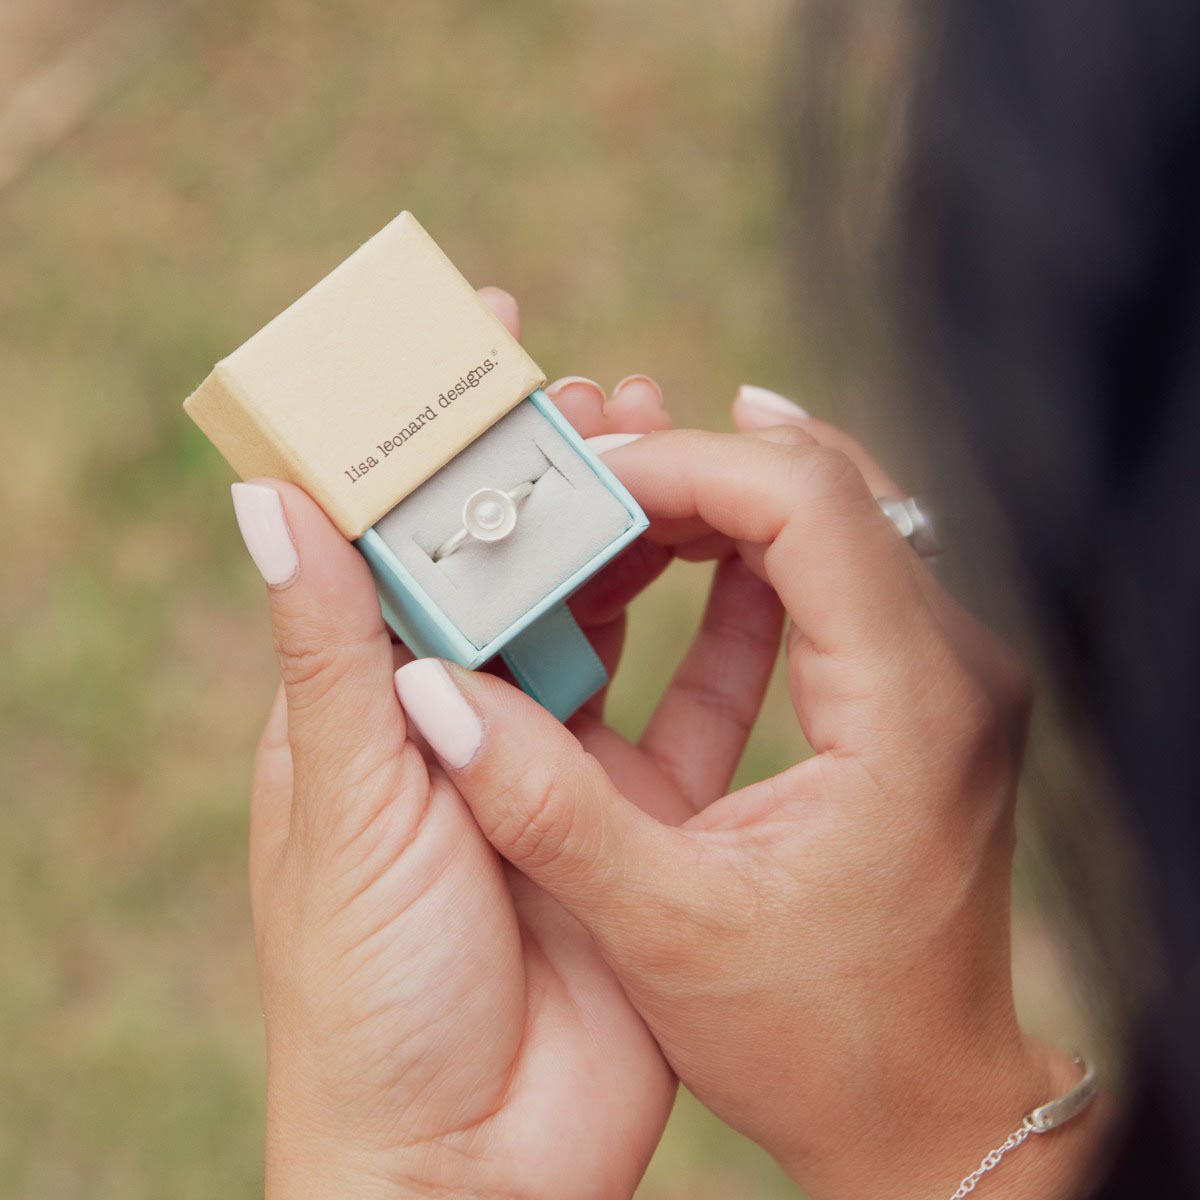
point(471, 379)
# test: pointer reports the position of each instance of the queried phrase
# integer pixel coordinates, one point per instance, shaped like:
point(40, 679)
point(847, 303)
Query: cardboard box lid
point(369, 383)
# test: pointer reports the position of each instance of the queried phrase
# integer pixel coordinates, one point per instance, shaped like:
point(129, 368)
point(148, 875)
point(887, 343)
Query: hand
point(436, 1024)
point(823, 956)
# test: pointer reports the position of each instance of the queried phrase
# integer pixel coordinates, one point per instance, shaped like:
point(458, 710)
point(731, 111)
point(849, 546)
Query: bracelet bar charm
point(1048, 1116)
point(1058, 1112)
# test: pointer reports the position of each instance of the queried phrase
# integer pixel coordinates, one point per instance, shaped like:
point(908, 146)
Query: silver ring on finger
point(913, 524)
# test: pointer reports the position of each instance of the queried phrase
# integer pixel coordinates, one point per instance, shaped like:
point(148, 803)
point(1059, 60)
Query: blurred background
point(171, 176)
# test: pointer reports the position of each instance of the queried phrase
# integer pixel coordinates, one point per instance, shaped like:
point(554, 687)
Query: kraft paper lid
point(369, 383)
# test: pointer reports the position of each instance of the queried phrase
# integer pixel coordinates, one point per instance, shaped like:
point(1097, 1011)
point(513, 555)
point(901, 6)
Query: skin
point(823, 958)
point(436, 1024)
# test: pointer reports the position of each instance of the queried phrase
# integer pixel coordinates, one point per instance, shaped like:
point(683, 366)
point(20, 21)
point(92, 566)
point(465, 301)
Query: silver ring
point(912, 523)
point(488, 515)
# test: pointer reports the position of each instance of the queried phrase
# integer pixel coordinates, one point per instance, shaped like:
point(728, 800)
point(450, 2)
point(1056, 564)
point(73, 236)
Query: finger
point(335, 656)
point(803, 519)
point(546, 805)
point(636, 405)
point(761, 408)
point(699, 731)
point(766, 414)
point(762, 412)
point(802, 516)
point(756, 409)
point(505, 307)
point(633, 772)
point(608, 641)
point(612, 589)
point(984, 655)
point(769, 416)
point(581, 401)
point(270, 794)
point(599, 606)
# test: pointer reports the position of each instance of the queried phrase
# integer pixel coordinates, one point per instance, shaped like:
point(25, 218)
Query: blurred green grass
point(609, 162)
point(615, 165)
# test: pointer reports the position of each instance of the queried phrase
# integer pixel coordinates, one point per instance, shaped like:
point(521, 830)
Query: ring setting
point(488, 515)
point(912, 523)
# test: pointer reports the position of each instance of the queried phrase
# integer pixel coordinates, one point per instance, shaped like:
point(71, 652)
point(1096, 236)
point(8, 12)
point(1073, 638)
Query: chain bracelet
point(992, 1160)
point(1049, 1116)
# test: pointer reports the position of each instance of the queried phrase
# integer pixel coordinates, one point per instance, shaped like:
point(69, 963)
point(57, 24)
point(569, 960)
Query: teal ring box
point(543, 647)
point(390, 393)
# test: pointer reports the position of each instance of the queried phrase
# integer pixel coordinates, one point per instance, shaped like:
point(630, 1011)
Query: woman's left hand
point(823, 956)
point(436, 1025)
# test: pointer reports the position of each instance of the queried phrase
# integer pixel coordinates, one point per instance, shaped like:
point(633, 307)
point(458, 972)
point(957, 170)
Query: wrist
point(303, 1162)
point(1051, 1165)
point(318, 1147)
point(314, 1149)
point(950, 1119)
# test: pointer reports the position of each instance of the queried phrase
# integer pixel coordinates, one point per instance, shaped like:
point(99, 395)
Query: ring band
point(488, 515)
point(912, 523)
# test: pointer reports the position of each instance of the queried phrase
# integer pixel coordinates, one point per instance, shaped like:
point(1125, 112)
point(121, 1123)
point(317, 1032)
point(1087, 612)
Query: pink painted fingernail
point(259, 512)
point(639, 385)
point(770, 402)
point(553, 390)
point(440, 712)
point(602, 443)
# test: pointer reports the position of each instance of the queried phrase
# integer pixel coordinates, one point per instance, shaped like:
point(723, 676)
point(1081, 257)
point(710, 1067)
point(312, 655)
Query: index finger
point(802, 517)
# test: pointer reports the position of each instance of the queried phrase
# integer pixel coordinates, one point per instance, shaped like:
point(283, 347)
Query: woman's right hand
point(436, 1025)
point(824, 955)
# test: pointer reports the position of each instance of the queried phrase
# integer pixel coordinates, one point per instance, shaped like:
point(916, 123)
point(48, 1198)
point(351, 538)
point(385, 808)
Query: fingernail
point(770, 402)
point(644, 384)
point(259, 512)
point(490, 292)
point(577, 381)
point(602, 443)
point(439, 710)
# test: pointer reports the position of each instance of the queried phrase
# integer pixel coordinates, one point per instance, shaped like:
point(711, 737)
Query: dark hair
point(1047, 281)
point(1053, 226)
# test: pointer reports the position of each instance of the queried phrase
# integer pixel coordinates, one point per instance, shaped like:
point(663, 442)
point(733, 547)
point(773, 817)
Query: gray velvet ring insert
point(489, 515)
point(569, 517)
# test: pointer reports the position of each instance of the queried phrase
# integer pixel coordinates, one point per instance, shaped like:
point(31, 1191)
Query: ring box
point(391, 394)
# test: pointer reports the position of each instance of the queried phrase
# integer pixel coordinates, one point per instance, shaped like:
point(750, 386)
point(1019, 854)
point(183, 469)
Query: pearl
point(489, 515)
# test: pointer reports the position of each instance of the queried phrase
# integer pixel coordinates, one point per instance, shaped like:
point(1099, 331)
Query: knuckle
point(304, 663)
point(851, 447)
point(694, 442)
point(981, 741)
point(787, 435)
point(313, 661)
point(538, 818)
point(828, 474)
point(989, 700)
point(957, 702)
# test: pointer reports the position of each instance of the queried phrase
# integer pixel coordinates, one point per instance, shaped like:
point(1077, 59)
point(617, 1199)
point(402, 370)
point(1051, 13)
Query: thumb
point(548, 806)
point(333, 647)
